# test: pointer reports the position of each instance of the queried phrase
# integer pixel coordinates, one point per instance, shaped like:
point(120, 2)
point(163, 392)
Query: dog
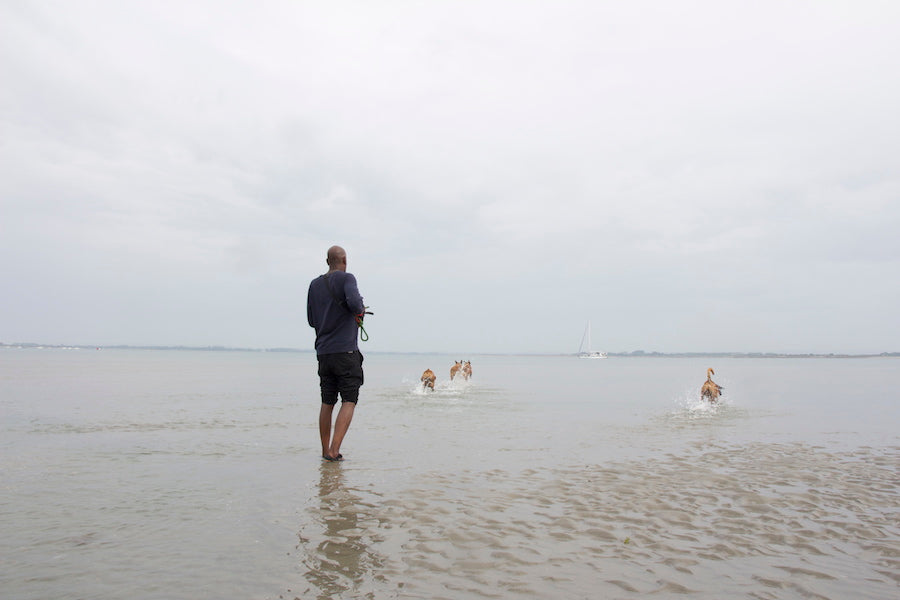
point(428, 379)
point(710, 390)
point(467, 370)
point(455, 369)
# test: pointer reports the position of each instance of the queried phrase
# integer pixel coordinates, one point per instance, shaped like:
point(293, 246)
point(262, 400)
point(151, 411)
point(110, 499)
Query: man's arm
point(351, 293)
point(309, 310)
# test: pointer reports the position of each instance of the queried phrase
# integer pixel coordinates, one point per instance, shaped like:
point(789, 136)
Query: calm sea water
point(156, 474)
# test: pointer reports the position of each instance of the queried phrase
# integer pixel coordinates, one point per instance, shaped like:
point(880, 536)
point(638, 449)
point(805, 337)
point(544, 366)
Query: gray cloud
point(689, 176)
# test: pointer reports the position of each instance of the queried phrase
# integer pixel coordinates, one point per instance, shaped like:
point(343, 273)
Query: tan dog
point(455, 369)
point(710, 390)
point(428, 379)
point(467, 370)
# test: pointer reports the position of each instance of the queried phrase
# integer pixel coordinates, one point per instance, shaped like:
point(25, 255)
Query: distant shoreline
point(635, 354)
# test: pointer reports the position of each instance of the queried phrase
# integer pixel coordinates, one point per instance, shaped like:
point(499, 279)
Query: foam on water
point(699, 407)
point(445, 388)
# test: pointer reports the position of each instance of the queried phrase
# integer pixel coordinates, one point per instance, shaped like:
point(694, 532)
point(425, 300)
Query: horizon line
point(634, 353)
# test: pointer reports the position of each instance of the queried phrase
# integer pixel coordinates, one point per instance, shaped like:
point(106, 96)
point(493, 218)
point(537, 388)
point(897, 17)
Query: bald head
point(337, 259)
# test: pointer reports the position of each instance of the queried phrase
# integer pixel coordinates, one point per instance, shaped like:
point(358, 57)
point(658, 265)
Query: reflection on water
point(337, 545)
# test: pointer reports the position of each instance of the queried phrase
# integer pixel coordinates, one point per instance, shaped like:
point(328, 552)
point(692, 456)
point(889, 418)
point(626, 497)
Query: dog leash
point(363, 335)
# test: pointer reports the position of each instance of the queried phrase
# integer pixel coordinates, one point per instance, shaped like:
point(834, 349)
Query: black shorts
point(341, 372)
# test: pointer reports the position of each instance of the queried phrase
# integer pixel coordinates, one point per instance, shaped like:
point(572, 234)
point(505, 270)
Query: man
point(332, 307)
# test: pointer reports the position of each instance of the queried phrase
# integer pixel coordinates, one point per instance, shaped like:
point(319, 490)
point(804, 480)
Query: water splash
point(442, 389)
point(689, 406)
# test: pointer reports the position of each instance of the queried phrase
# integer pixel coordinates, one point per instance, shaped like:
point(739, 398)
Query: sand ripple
point(756, 521)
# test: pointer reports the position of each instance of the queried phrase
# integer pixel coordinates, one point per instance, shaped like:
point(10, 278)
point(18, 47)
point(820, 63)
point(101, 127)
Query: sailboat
point(585, 350)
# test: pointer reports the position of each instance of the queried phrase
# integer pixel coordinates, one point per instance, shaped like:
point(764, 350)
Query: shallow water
point(152, 474)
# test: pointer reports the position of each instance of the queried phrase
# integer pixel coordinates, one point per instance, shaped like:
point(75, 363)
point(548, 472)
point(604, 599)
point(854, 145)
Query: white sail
point(585, 351)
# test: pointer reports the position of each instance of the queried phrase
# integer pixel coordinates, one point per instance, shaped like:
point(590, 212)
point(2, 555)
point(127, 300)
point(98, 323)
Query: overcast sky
point(689, 176)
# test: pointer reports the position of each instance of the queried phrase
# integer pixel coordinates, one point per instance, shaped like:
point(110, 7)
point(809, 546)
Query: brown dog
point(428, 379)
point(467, 370)
point(455, 369)
point(710, 390)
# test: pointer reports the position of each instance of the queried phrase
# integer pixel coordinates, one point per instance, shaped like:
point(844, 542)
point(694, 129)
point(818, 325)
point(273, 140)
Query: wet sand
point(757, 521)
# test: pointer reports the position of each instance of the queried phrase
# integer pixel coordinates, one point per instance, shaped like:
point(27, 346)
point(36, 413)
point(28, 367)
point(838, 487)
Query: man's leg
point(325, 426)
point(341, 425)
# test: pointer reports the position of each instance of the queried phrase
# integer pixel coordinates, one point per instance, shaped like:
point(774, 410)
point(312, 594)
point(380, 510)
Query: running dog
point(455, 369)
point(710, 390)
point(428, 379)
point(467, 370)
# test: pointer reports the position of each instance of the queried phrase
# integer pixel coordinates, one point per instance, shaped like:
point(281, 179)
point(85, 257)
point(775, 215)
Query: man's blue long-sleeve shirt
point(335, 324)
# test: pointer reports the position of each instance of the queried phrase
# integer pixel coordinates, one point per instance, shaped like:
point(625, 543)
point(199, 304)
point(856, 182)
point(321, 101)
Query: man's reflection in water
point(341, 559)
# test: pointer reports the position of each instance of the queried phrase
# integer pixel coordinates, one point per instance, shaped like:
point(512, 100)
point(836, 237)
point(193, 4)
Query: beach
point(191, 474)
